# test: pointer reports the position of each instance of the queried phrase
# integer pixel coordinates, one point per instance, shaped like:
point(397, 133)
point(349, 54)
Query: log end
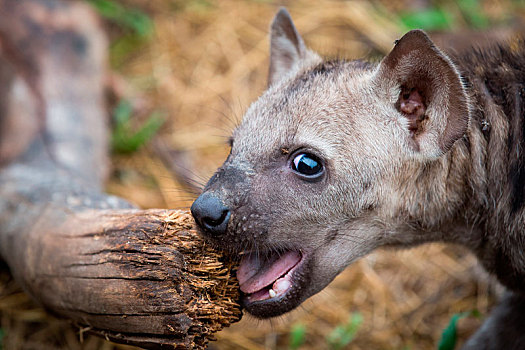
point(140, 277)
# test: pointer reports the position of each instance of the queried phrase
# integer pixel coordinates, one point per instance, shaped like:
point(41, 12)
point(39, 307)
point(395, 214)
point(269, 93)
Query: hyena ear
point(287, 49)
point(431, 94)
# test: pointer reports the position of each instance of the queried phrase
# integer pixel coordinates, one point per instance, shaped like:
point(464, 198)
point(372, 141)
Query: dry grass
point(204, 64)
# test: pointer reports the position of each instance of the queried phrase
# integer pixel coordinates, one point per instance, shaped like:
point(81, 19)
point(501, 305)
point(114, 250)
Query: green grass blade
point(297, 336)
point(124, 139)
point(449, 335)
point(431, 19)
point(122, 113)
point(343, 334)
point(133, 19)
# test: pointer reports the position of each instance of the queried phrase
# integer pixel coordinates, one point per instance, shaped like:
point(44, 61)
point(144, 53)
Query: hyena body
point(338, 158)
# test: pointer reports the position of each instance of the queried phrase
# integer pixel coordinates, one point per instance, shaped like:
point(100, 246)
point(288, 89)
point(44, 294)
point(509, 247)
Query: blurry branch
point(137, 277)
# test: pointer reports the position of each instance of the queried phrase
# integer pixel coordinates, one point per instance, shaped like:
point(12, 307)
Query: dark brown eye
point(307, 165)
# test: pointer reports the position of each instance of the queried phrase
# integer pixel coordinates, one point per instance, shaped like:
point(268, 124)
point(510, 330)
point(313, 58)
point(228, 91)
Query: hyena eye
point(308, 165)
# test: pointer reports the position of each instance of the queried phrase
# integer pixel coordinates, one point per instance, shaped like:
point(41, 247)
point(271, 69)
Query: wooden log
point(141, 277)
point(133, 276)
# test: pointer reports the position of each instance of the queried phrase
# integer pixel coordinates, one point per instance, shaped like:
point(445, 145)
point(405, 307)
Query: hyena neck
point(495, 145)
point(475, 194)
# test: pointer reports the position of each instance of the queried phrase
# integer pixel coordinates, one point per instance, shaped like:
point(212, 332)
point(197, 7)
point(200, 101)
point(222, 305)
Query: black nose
point(210, 214)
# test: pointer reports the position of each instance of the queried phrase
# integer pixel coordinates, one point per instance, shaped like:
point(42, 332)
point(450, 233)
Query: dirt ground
point(199, 68)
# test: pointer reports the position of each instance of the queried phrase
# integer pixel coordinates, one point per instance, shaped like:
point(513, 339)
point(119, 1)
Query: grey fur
point(392, 178)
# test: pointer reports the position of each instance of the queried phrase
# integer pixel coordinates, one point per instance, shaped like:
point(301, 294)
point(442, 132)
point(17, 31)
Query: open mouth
point(269, 277)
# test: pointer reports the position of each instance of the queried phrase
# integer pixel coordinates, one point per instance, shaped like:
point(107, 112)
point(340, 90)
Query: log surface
point(143, 277)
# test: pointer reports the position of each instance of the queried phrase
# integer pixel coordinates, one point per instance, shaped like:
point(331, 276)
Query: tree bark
point(140, 277)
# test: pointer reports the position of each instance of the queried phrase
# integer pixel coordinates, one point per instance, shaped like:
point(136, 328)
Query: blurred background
point(180, 76)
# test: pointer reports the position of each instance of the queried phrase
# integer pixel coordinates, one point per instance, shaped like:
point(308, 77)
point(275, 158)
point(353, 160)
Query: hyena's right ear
point(430, 93)
point(287, 49)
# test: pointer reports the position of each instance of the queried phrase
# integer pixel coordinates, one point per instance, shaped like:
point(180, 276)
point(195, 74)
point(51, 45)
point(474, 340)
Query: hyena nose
point(210, 214)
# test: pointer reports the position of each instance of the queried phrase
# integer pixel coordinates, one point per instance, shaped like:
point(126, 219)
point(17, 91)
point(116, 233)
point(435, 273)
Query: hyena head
point(312, 181)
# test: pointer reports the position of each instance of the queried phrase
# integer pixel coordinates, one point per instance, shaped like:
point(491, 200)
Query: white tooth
point(272, 293)
point(281, 285)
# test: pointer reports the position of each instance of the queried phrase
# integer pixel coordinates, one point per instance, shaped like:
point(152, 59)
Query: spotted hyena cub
point(340, 157)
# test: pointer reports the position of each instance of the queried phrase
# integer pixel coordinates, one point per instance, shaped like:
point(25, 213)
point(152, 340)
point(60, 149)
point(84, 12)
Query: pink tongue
point(255, 273)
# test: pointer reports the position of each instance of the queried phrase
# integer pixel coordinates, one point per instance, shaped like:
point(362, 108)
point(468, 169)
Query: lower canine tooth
point(272, 293)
